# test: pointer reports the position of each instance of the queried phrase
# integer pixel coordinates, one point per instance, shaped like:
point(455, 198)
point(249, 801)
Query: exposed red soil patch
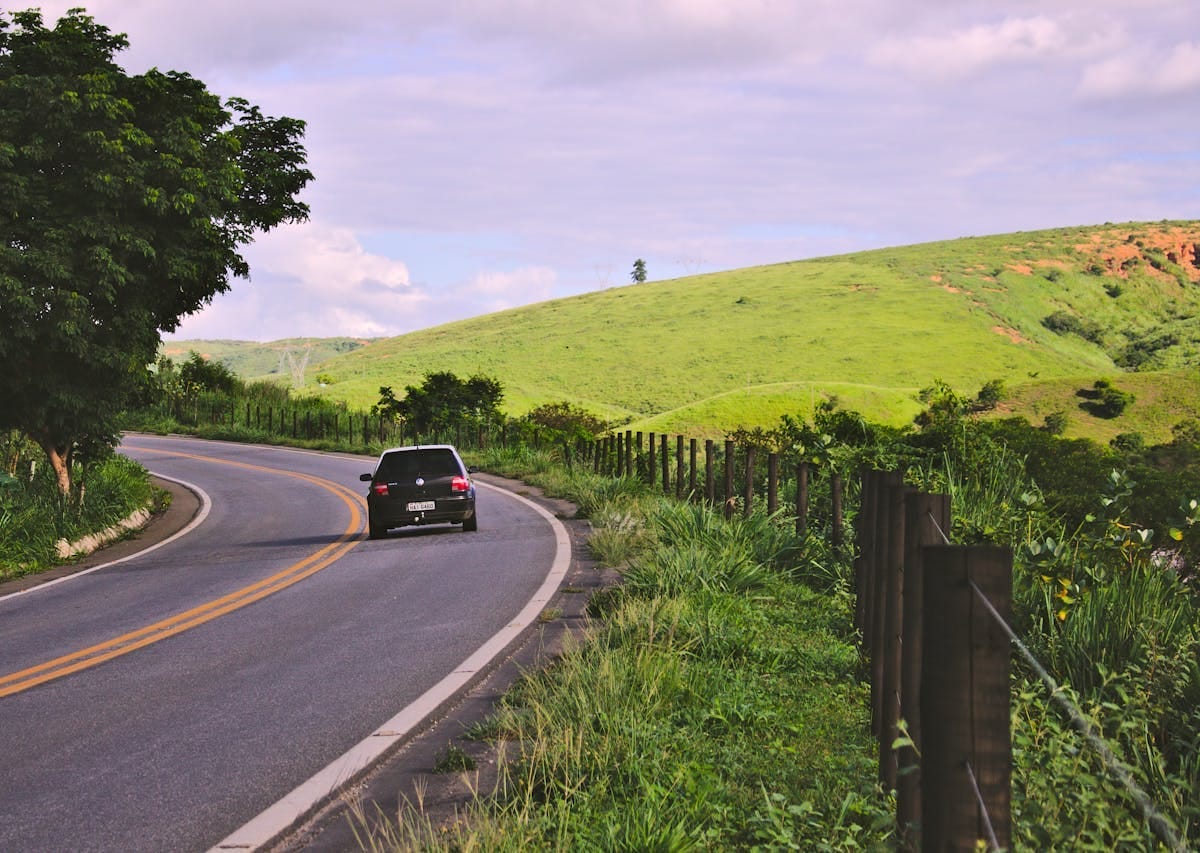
point(1117, 249)
point(1012, 334)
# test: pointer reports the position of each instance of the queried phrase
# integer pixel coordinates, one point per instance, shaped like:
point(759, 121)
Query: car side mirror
point(366, 478)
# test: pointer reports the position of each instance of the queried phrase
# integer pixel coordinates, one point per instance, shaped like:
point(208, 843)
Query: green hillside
point(1048, 312)
point(254, 360)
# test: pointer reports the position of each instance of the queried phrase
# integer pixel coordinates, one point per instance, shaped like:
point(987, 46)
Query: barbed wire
point(1157, 821)
point(987, 818)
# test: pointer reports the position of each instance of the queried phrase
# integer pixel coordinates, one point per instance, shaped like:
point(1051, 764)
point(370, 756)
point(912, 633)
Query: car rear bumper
point(451, 510)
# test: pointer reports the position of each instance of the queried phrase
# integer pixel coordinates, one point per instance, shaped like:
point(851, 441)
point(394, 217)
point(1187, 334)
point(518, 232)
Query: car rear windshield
point(437, 462)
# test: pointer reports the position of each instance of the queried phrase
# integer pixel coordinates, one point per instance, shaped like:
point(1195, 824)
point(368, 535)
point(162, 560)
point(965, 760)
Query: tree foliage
point(124, 202)
point(442, 402)
point(201, 374)
point(566, 421)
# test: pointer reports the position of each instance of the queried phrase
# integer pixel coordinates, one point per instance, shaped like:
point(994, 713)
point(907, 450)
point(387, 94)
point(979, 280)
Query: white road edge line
point(280, 817)
point(205, 507)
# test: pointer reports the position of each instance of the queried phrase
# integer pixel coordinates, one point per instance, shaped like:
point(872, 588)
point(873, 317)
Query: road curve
point(250, 662)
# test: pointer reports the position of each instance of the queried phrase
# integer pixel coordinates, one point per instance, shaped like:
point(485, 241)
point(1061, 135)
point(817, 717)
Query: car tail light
point(460, 484)
point(380, 489)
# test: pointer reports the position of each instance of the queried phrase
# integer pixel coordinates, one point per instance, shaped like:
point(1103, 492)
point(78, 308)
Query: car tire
point(374, 531)
point(471, 524)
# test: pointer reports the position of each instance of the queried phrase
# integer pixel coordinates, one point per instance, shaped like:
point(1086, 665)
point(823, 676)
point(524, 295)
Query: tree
point(639, 271)
point(204, 375)
point(442, 401)
point(124, 202)
point(566, 421)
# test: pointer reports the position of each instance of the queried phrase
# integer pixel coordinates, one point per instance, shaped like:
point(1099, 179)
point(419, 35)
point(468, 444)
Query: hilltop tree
point(639, 271)
point(124, 202)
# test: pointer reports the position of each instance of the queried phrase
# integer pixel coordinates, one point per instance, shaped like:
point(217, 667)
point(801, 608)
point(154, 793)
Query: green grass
point(709, 353)
point(34, 517)
point(716, 706)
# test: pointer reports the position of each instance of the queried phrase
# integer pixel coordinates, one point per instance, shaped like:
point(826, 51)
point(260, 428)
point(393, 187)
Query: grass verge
point(715, 703)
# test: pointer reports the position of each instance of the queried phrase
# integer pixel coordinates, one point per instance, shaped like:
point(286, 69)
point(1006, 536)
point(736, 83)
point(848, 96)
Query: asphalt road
point(190, 688)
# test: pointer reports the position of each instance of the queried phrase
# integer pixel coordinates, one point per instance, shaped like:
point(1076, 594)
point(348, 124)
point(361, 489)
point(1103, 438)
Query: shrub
point(1066, 323)
point(989, 396)
point(1128, 442)
point(1111, 403)
point(1055, 423)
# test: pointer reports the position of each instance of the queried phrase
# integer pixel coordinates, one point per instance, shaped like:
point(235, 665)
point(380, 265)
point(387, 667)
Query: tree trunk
point(60, 461)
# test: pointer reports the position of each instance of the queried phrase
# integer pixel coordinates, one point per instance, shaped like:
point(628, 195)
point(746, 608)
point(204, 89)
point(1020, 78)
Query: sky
point(476, 155)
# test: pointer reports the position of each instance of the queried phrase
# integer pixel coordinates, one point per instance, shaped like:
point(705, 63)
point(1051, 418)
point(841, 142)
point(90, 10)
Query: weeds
point(454, 759)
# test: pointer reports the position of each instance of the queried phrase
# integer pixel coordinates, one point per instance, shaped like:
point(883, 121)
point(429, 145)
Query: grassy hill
point(254, 360)
point(1048, 312)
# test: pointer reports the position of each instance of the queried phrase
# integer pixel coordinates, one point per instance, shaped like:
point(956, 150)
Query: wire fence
point(936, 624)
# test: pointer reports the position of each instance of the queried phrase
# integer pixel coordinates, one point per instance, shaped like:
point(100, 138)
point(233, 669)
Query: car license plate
point(422, 506)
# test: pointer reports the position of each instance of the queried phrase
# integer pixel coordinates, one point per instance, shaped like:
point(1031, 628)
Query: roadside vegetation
point(35, 516)
point(715, 703)
point(718, 700)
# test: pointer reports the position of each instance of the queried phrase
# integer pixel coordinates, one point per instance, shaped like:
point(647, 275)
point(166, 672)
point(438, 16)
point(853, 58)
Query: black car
point(420, 485)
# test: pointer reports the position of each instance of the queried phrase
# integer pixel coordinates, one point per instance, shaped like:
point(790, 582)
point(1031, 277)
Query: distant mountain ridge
point(1054, 309)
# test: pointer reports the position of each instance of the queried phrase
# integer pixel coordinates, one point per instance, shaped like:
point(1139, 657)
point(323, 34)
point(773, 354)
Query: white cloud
point(313, 280)
point(497, 290)
point(1144, 73)
point(974, 49)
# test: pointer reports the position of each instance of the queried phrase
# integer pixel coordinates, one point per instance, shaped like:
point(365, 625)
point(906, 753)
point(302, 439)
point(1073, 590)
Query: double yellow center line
point(97, 654)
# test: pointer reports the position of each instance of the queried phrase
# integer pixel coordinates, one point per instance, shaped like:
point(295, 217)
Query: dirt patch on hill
point(1120, 250)
point(1010, 333)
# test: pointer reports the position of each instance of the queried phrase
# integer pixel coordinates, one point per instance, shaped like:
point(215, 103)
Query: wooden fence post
point(628, 453)
point(772, 483)
point(730, 500)
point(666, 465)
point(651, 469)
point(710, 472)
point(884, 532)
point(748, 486)
point(679, 467)
point(965, 698)
point(802, 499)
point(864, 576)
point(836, 534)
point(893, 614)
point(692, 448)
point(925, 518)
